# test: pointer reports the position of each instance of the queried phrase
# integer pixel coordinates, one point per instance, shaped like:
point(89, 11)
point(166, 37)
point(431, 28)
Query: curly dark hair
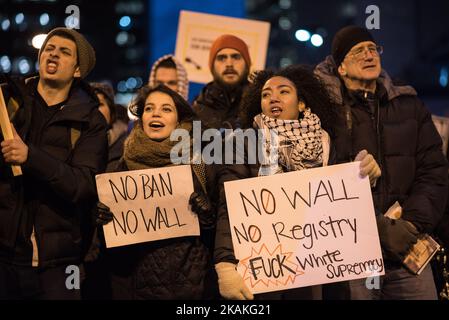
point(185, 112)
point(310, 90)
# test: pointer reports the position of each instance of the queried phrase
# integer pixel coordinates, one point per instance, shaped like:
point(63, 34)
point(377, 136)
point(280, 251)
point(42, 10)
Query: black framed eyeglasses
point(359, 53)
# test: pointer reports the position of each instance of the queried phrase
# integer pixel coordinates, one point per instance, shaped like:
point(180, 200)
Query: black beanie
point(347, 38)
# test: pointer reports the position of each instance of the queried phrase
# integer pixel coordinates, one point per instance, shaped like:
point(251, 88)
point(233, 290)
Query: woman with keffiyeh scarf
point(294, 105)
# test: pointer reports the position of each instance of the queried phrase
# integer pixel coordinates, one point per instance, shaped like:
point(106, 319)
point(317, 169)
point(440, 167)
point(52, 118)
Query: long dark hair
point(185, 112)
point(310, 90)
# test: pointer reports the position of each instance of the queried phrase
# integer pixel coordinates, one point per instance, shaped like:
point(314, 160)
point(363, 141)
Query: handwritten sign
point(304, 228)
point(148, 205)
point(197, 32)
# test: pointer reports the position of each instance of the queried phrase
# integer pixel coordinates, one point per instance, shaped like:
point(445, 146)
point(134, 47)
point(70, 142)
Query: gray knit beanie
point(85, 52)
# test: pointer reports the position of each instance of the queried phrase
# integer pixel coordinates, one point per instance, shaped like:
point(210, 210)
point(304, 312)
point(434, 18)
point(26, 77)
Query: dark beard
point(228, 87)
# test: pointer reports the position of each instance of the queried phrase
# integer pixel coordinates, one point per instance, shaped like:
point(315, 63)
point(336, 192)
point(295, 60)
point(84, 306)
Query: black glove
point(397, 237)
point(102, 215)
point(203, 208)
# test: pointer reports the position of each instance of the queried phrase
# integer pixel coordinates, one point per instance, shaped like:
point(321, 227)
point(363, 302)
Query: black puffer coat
point(400, 134)
point(216, 108)
point(178, 268)
point(58, 182)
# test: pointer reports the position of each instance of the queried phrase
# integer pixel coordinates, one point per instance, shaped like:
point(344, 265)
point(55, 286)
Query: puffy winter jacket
point(58, 182)
point(398, 131)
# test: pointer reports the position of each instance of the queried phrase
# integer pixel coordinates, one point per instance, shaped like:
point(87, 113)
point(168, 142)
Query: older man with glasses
point(391, 123)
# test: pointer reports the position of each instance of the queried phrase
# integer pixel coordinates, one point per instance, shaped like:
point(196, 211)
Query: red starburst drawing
point(263, 279)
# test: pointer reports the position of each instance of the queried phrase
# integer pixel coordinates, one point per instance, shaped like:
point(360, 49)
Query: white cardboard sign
point(148, 205)
point(197, 32)
point(304, 228)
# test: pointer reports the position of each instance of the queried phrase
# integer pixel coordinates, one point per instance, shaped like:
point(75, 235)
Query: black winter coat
point(216, 108)
point(58, 182)
point(166, 269)
point(400, 134)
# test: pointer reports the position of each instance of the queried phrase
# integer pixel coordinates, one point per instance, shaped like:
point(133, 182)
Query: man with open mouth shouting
point(60, 142)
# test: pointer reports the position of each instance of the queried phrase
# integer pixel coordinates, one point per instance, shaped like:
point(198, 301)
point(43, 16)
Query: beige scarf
point(140, 152)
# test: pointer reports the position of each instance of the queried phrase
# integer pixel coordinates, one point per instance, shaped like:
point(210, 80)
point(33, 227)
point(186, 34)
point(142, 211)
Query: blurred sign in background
point(130, 35)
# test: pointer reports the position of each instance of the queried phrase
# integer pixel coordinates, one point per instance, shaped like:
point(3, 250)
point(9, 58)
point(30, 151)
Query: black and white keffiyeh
point(298, 143)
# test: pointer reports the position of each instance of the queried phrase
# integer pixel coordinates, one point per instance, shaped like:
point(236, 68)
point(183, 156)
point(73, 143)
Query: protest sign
point(197, 31)
point(304, 228)
point(148, 205)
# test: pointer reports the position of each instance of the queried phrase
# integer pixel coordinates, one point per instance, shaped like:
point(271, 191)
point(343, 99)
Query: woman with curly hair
point(294, 105)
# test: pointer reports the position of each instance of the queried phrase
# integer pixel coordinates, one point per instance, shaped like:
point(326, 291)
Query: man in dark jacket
point(392, 124)
point(229, 62)
point(61, 144)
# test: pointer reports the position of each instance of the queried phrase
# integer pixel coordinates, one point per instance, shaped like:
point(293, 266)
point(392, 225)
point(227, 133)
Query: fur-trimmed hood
point(183, 81)
point(326, 71)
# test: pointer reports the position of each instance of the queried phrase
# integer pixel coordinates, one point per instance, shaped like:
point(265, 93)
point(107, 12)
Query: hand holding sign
point(147, 205)
point(203, 208)
point(368, 167)
point(8, 134)
point(102, 214)
point(230, 282)
point(14, 150)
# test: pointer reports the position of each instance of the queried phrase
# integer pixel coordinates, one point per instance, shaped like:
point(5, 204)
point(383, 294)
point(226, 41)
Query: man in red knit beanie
point(229, 63)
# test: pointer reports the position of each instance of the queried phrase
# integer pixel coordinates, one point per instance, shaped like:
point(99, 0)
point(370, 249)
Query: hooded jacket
point(58, 182)
point(181, 73)
point(398, 131)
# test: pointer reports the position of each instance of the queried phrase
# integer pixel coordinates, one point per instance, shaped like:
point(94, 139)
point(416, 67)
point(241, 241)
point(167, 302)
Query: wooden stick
point(7, 130)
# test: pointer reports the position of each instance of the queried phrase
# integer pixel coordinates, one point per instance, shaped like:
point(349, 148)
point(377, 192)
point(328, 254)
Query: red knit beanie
point(229, 41)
